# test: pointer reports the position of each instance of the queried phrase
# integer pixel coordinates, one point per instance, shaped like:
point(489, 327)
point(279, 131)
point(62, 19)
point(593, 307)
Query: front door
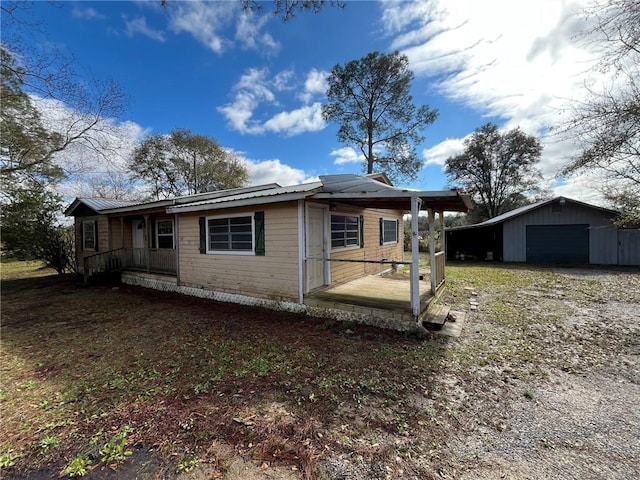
point(315, 247)
point(138, 243)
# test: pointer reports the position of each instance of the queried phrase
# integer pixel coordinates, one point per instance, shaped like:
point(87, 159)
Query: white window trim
point(348, 247)
point(84, 238)
point(233, 252)
point(165, 234)
point(393, 242)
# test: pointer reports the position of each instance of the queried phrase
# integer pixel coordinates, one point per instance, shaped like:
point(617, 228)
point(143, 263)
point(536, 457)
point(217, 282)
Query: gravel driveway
point(578, 417)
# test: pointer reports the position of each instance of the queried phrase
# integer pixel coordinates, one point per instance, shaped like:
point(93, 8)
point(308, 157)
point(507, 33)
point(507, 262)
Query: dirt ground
point(581, 418)
point(544, 382)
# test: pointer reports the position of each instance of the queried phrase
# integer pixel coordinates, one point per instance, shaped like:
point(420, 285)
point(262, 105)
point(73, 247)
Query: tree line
point(370, 101)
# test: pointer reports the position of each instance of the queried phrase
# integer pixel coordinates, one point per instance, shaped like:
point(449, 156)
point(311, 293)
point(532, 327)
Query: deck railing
point(151, 260)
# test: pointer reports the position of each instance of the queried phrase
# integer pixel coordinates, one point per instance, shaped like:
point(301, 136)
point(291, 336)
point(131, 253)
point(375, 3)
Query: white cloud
point(346, 155)
point(294, 122)
point(84, 166)
point(86, 13)
point(252, 90)
point(212, 24)
point(438, 154)
point(204, 21)
point(282, 80)
point(273, 171)
point(248, 33)
point(139, 26)
point(522, 66)
point(315, 84)
point(255, 90)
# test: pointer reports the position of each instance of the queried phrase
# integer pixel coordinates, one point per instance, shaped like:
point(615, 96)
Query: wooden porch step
point(436, 317)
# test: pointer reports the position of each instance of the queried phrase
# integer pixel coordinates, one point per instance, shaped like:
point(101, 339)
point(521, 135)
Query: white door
point(315, 247)
point(138, 242)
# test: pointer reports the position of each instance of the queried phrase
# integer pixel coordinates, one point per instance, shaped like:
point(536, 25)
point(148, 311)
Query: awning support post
point(432, 250)
point(415, 257)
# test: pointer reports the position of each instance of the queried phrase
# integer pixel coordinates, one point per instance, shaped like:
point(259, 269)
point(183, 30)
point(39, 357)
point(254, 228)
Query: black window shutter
point(259, 221)
point(203, 234)
point(381, 231)
point(95, 232)
point(361, 231)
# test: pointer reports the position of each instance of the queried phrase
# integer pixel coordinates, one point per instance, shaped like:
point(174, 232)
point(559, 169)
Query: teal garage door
point(558, 243)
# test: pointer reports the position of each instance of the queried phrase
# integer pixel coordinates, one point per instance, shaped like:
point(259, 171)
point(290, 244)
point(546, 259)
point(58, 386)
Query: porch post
point(148, 241)
point(415, 257)
point(176, 244)
point(432, 250)
point(443, 247)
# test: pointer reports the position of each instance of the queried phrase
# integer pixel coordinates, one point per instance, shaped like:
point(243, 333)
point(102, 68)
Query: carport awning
point(366, 192)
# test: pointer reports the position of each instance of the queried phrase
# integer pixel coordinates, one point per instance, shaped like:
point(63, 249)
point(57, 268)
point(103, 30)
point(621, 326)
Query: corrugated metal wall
point(629, 246)
point(603, 247)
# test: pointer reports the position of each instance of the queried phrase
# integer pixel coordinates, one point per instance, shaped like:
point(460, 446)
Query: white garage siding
point(603, 235)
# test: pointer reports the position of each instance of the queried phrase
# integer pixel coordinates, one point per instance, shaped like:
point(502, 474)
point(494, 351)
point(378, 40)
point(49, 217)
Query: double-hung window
point(345, 231)
point(164, 234)
point(89, 235)
point(230, 234)
point(388, 231)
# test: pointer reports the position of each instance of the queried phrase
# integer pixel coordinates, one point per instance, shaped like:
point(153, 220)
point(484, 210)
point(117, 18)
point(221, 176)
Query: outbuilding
point(559, 230)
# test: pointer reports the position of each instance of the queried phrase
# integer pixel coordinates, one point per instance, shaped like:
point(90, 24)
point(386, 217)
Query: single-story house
point(559, 230)
point(318, 248)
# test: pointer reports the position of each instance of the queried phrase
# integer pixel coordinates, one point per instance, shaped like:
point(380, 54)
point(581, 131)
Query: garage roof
point(528, 208)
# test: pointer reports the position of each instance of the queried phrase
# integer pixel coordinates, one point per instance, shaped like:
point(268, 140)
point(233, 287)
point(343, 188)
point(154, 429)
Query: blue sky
point(256, 84)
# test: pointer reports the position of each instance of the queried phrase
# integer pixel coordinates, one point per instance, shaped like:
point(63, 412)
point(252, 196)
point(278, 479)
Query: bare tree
point(287, 9)
point(607, 124)
point(47, 108)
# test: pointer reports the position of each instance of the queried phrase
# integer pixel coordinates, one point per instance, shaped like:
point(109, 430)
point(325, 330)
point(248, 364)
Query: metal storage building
point(560, 230)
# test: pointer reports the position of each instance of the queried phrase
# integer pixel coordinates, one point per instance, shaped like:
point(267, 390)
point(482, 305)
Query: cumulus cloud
point(138, 26)
point(250, 36)
point(98, 158)
point(256, 90)
point(221, 25)
point(315, 84)
point(521, 66)
point(346, 155)
point(304, 119)
point(86, 13)
point(438, 154)
point(273, 171)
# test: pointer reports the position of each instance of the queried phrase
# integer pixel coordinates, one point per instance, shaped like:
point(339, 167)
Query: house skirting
point(374, 317)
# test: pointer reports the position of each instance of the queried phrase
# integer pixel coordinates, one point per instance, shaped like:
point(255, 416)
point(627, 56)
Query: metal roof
point(360, 190)
point(528, 208)
point(368, 192)
point(278, 194)
point(98, 205)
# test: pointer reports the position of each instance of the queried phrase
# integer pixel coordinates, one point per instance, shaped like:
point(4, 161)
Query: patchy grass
point(94, 378)
point(88, 374)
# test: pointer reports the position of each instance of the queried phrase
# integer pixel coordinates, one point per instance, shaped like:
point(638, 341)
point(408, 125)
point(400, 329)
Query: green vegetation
point(93, 375)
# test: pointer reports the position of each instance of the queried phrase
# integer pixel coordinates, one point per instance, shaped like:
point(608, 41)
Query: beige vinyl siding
point(345, 271)
point(103, 237)
point(273, 276)
point(115, 233)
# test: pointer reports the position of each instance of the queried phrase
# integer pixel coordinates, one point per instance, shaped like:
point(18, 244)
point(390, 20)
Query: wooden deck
point(373, 294)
